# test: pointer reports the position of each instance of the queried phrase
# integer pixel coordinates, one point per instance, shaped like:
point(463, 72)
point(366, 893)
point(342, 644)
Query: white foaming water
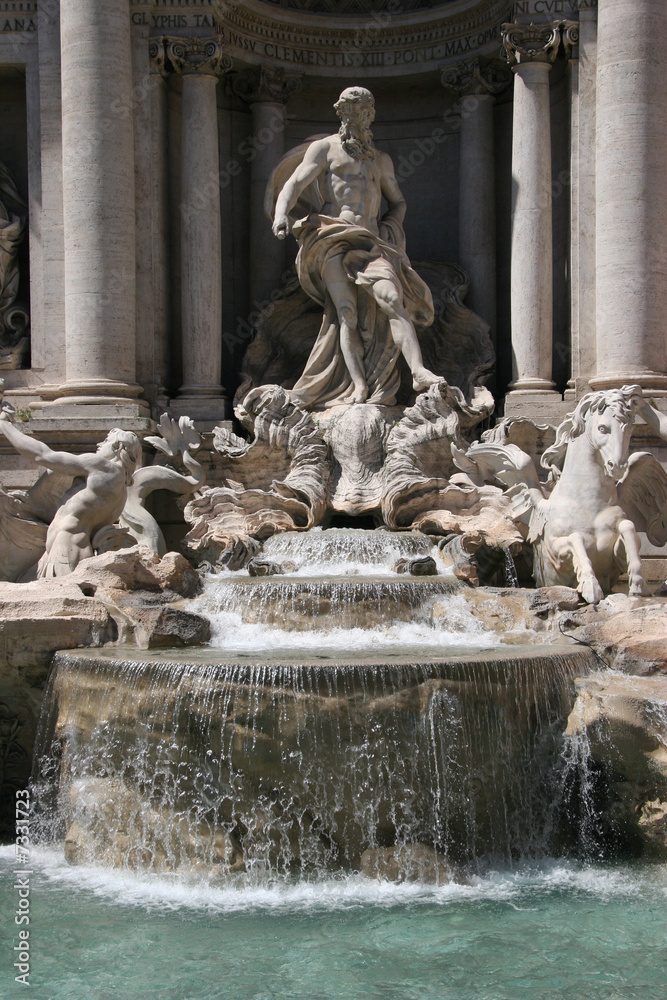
point(348, 551)
point(182, 892)
point(459, 630)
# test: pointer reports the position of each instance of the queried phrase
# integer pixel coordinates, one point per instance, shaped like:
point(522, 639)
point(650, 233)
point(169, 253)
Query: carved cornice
point(371, 45)
point(202, 56)
point(526, 43)
point(477, 76)
point(266, 85)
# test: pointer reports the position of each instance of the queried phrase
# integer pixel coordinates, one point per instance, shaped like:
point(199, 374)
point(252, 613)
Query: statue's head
point(123, 447)
point(356, 109)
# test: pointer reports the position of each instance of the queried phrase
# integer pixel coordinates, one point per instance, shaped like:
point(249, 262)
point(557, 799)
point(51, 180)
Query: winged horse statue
point(583, 520)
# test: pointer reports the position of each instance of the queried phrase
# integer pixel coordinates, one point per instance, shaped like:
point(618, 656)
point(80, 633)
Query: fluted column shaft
point(267, 254)
point(201, 395)
point(477, 206)
point(98, 201)
point(531, 50)
point(631, 194)
point(266, 91)
point(476, 84)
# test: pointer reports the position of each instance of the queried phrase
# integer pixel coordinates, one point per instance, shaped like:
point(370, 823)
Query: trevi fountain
point(333, 588)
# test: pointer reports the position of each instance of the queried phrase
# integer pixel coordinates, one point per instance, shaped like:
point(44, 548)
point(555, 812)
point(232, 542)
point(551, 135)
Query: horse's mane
point(620, 400)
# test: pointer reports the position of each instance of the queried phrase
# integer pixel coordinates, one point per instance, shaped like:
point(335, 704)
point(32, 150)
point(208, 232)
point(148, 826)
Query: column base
point(541, 405)
point(206, 406)
point(120, 397)
point(653, 383)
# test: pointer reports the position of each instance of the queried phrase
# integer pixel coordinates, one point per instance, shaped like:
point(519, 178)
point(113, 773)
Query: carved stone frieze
point(525, 43)
point(204, 56)
point(377, 42)
point(477, 76)
point(264, 84)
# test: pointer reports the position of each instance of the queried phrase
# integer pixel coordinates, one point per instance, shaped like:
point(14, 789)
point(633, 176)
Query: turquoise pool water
point(557, 931)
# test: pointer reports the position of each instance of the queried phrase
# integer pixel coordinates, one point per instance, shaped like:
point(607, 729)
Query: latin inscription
point(354, 57)
point(13, 24)
point(552, 6)
point(168, 22)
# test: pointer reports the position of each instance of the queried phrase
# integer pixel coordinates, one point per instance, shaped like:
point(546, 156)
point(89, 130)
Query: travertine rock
point(146, 836)
point(622, 721)
point(632, 640)
point(165, 626)
point(409, 863)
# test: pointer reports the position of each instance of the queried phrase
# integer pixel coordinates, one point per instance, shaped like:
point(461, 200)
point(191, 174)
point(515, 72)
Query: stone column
point(580, 40)
point(98, 202)
point(531, 51)
point(266, 91)
point(631, 195)
point(200, 61)
point(476, 85)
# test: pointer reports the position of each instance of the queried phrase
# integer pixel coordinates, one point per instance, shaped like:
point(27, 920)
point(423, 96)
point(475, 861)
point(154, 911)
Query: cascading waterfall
point(312, 753)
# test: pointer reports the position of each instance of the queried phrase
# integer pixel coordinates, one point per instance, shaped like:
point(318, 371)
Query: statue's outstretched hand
point(281, 226)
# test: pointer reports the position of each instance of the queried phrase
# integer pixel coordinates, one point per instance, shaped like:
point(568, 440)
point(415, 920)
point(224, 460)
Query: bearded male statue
point(328, 193)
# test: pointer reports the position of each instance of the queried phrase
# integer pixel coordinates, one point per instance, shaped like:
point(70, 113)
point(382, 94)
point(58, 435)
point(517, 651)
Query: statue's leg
point(587, 582)
point(628, 533)
point(344, 297)
point(390, 301)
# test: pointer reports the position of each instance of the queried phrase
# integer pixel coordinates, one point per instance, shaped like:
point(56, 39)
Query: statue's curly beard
point(357, 139)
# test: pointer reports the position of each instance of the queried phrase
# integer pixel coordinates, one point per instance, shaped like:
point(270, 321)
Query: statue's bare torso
point(352, 187)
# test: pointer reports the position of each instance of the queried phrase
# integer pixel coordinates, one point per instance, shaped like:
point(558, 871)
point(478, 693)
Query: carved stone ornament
point(204, 56)
point(157, 53)
point(48, 530)
point(300, 468)
point(525, 43)
point(570, 36)
point(583, 521)
point(14, 319)
point(265, 84)
point(477, 76)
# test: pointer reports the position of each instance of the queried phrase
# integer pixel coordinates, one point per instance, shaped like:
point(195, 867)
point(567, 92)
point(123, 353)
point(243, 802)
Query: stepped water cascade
point(362, 786)
point(336, 723)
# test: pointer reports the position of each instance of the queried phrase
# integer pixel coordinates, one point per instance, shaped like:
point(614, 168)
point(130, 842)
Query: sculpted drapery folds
point(352, 261)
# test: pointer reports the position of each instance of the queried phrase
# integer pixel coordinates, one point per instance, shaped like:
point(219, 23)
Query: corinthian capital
point(526, 43)
point(477, 76)
point(197, 55)
point(265, 84)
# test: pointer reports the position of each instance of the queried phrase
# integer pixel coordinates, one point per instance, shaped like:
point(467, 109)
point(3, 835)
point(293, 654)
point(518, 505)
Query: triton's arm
point(656, 420)
point(59, 461)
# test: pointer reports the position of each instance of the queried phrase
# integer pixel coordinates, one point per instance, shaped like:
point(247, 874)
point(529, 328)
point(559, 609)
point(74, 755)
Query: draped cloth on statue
point(367, 258)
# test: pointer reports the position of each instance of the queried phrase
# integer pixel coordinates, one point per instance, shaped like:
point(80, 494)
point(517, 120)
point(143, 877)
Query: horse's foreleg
point(587, 582)
point(628, 535)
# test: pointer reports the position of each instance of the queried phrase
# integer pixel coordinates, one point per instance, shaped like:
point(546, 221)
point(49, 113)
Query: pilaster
point(200, 61)
point(267, 91)
point(476, 84)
